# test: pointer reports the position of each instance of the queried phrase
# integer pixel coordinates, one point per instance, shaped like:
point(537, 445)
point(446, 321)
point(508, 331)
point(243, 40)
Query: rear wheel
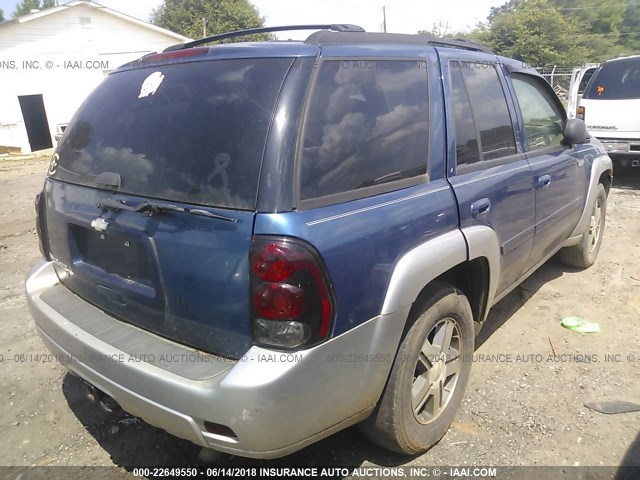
point(429, 375)
point(584, 254)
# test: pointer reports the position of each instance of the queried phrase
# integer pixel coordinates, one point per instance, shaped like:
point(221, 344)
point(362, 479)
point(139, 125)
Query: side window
point(467, 149)
point(489, 107)
point(543, 123)
point(367, 124)
point(585, 80)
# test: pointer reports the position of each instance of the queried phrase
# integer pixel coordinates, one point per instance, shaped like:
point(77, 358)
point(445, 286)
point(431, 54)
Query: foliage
point(559, 32)
point(442, 31)
point(536, 33)
point(630, 28)
point(25, 7)
point(1, 16)
point(219, 16)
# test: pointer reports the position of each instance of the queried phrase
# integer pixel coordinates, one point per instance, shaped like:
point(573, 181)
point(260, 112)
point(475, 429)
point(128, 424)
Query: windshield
point(190, 132)
point(616, 80)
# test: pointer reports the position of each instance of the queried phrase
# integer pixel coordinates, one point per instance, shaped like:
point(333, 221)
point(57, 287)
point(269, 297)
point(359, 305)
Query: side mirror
point(575, 131)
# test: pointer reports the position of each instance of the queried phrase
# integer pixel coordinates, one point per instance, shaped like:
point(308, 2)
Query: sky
point(403, 16)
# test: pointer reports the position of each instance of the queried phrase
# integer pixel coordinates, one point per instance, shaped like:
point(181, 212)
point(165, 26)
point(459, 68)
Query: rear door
point(493, 181)
point(579, 81)
point(559, 172)
point(182, 144)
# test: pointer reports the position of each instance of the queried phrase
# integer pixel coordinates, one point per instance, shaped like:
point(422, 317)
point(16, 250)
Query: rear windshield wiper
point(150, 209)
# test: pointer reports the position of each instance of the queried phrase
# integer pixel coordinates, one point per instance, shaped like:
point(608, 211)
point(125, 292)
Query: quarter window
point(366, 125)
point(543, 122)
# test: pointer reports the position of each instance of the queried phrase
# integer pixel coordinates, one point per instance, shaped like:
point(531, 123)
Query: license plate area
point(114, 253)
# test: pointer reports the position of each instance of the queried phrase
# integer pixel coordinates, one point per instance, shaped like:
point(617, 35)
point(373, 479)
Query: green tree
point(599, 22)
point(630, 28)
point(188, 17)
point(442, 31)
point(1, 16)
point(597, 16)
point(26, 6)
point(535, 32)
point(508, 7)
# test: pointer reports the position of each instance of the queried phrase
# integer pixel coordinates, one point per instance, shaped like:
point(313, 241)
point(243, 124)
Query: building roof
point(75, 3)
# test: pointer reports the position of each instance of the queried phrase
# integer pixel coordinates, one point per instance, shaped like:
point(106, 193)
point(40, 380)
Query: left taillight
point(291, 298)
point(39, 206)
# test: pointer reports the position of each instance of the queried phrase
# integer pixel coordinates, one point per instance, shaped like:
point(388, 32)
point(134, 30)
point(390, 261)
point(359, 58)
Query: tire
point(584, 254)
point(406, 420)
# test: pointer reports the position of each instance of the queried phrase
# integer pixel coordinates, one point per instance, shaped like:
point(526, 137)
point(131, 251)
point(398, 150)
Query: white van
point(610, 107)
point(579, 80)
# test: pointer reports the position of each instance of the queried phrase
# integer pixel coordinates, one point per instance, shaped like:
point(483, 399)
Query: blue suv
point(255, 245)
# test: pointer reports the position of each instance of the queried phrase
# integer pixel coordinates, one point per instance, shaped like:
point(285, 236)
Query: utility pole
point(384, 19)
point(204, 27)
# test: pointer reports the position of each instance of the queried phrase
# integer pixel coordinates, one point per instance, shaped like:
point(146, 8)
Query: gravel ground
point(523, 405)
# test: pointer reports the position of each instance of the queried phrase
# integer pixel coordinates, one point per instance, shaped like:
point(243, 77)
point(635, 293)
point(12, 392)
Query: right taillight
point(39, 200)
point(291, 299)
point(580, 113)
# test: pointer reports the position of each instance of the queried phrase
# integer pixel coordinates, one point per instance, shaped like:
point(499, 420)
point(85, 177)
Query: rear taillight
point(39, 205)
point(580, 113)
point(291, 299)
point(178, 54)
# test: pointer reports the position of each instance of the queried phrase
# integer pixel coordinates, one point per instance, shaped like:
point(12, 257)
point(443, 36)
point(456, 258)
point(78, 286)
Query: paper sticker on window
point(600, 89)
point(151, 84)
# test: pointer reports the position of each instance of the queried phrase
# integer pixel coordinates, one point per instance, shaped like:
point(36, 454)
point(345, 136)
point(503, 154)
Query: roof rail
point(252, 31)
point(331, 38)
point(462, 43)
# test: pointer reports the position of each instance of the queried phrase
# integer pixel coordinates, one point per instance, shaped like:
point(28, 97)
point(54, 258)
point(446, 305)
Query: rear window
point(616, 80)
point(192, 133)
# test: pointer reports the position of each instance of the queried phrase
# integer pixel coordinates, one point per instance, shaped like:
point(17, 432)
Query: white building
point(50, 60)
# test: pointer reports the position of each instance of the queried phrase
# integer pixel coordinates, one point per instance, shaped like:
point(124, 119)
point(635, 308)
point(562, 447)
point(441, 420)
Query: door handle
point(481, 207)
point(543, 181)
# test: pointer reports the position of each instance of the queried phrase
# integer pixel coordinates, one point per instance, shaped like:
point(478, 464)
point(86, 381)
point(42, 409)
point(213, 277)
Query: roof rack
point(328, 38)
point(252, 31)
point(462, 43)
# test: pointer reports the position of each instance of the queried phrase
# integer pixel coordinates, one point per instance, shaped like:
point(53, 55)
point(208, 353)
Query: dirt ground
point(521, 407)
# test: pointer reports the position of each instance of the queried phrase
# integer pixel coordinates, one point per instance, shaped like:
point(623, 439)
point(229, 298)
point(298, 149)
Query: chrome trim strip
point(373, 207)
point(485, 177)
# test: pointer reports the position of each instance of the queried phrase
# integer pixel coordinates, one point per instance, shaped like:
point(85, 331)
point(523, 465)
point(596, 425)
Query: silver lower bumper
point(274, 403)
point(624, 152)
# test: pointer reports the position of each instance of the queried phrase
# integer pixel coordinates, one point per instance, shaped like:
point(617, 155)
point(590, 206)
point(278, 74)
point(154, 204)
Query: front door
point(559, 178)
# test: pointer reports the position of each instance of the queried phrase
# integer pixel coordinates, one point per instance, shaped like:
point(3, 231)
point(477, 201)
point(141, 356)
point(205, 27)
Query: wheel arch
point(467, 259)
point(601, 172)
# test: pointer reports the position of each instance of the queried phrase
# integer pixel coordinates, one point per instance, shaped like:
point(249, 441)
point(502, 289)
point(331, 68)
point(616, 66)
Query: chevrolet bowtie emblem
point(100, 224)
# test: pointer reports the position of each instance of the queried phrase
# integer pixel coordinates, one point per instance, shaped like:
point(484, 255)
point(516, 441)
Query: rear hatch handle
point(149, 209)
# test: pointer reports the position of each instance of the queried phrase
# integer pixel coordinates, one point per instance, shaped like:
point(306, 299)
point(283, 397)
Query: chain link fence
point(559, 78)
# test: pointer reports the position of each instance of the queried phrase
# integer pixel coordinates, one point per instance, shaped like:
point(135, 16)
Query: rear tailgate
point(184, 277)
point(187, 141)
point(612, 118)
point(612, 99)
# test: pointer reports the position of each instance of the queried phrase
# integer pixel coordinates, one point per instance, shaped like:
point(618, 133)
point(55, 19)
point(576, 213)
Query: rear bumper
point(274, 403)
point(624, 152)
